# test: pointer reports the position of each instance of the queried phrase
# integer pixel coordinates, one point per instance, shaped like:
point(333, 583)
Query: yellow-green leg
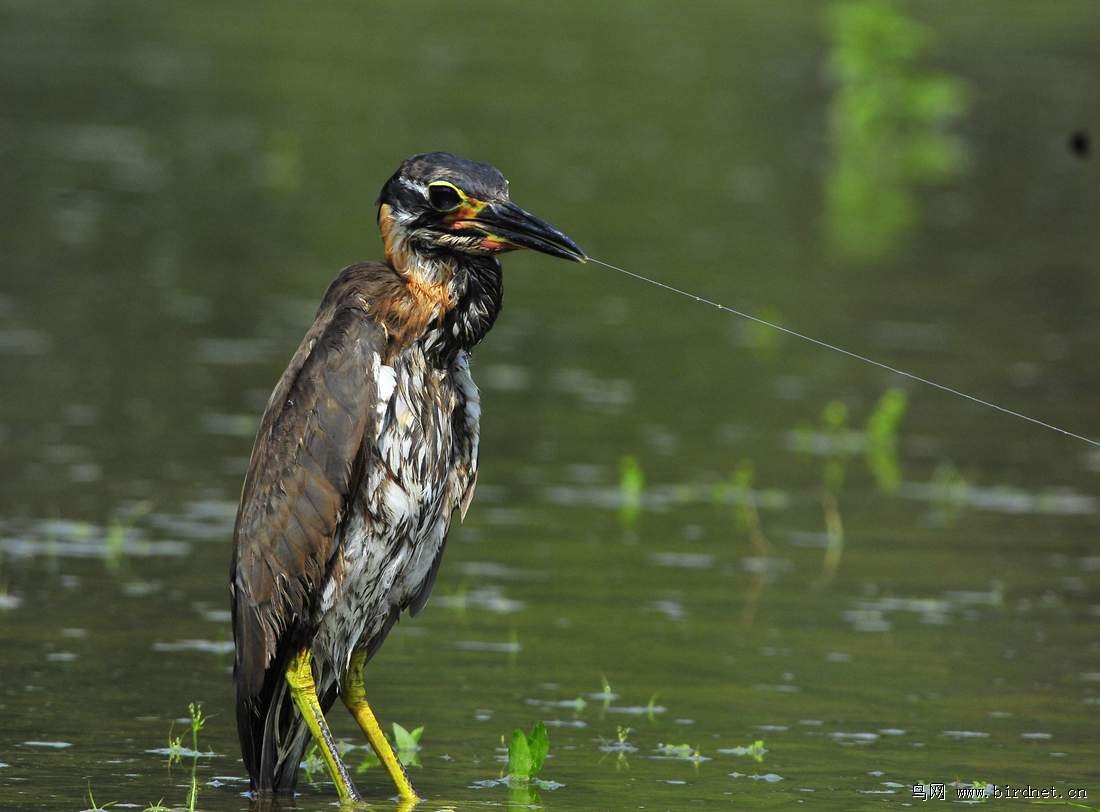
point(299, 675)
point(354, 694)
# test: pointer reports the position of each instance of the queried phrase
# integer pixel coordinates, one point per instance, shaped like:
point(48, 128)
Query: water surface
point(181, 182)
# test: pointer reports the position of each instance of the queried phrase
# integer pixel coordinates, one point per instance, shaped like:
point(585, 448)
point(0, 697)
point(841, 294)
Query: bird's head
point(438, 204)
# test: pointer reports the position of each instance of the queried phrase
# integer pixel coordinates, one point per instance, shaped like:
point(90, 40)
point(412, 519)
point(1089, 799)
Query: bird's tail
point(273, 734)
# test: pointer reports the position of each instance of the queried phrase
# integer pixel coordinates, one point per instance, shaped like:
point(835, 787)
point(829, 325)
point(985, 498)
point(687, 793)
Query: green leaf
point(406, 740)
point(538, 743)
point(370, 761)
point(527, 752)
point(676, 750)
point(519, 755)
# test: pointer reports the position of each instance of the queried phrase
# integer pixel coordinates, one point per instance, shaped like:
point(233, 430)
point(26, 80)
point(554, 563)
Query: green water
point(180, 182)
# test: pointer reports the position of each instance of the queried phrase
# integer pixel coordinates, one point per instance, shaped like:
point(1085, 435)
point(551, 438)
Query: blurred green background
point(885, 589)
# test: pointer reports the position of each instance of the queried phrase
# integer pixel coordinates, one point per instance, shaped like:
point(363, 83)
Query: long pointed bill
point(505, 226)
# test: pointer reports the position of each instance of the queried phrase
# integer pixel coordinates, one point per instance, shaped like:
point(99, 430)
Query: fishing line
point(950, 390)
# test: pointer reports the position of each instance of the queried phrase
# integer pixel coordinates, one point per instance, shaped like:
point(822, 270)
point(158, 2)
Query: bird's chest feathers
point(416, 404)
point(420, 469)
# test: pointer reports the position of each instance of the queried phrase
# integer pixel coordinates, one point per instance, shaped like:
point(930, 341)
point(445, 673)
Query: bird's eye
point(444, 196)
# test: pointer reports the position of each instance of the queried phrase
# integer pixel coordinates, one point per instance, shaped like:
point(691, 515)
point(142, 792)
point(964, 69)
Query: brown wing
point(306, 461)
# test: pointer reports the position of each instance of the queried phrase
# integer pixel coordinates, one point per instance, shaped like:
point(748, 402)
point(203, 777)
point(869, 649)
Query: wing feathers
point(299, 479)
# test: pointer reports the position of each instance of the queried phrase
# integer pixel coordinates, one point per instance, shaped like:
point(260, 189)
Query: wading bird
point(368, 445)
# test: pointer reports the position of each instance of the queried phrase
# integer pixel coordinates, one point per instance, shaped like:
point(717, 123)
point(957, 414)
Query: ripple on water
point(68, 539)
point(768, 778)
point(203, 646)
point(671, 609)
point(511, 647)
point(23, 341)
point(1005, 499)
point(690, 561)
point(854, 738)
point(636, 710)
point(493, 569)
point(489, 598)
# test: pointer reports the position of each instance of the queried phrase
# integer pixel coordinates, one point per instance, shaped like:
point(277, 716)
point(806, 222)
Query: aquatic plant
point(756, 750)
point(631, 485)
point(881, 433)
point(527, 752)
point(605, 688)
point(651, 708)
point(746, 515)
point(890, 120)
point(834, 419)
point(114, 543)
point(762, 339)
point(949, 494)
point(314, 765)
point(93, 806)
point(406, 744)
point(682, 751)
point(175, 747)
point(198, 722)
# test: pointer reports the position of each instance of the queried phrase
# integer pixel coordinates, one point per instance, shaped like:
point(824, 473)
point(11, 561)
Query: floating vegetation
point(756, 750)
point(621, 744)
point(682, 752)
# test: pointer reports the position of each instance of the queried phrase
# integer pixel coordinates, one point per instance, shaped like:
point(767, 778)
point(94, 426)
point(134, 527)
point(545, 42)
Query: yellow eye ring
point(445, 196)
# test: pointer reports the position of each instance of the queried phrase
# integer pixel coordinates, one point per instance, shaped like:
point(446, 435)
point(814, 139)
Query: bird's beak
point(505, 226)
